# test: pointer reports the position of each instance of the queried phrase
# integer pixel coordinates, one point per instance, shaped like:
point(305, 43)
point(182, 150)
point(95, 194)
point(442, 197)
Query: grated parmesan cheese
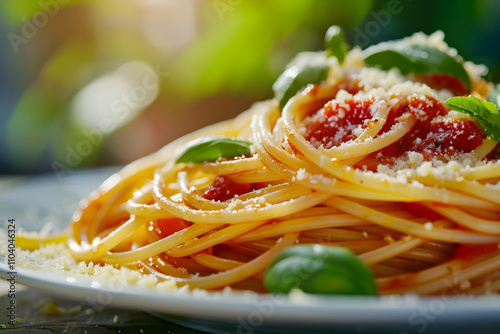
point(428, 226)
point(301, 174)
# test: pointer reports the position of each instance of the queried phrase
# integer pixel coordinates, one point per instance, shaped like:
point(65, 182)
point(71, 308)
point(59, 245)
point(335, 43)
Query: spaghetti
point(368, 159)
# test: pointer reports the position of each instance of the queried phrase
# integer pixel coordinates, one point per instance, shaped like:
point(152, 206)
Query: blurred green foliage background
point(101, 82)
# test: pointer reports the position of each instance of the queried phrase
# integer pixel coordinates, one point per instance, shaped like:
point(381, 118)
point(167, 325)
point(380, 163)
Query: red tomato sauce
point(468, 252)
point(338, 123)
point(168, 226)
point(430, 136)
point(420, 210)
point(223, 189)
point(444, 81)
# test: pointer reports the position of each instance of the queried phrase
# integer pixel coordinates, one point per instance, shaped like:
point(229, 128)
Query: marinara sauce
point(432, 135)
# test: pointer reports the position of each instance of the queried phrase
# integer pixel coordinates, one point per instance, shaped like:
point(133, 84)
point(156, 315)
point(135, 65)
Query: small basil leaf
point(494, 96)
point(485, 112)
point(416, 59)
point(335, 43)
point(319, 269)
point(211, 148)
point(296, 78)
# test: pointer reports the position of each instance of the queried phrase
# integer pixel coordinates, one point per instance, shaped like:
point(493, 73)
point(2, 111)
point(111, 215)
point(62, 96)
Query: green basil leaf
point(494, 96)
point(485, 112)
point(319, 269)
point(416, 59)
point(335, 43)
point(296, 78)
point(211, 148)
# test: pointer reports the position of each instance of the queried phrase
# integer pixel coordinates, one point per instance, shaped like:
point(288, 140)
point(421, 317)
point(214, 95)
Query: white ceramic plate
point(36, 201)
